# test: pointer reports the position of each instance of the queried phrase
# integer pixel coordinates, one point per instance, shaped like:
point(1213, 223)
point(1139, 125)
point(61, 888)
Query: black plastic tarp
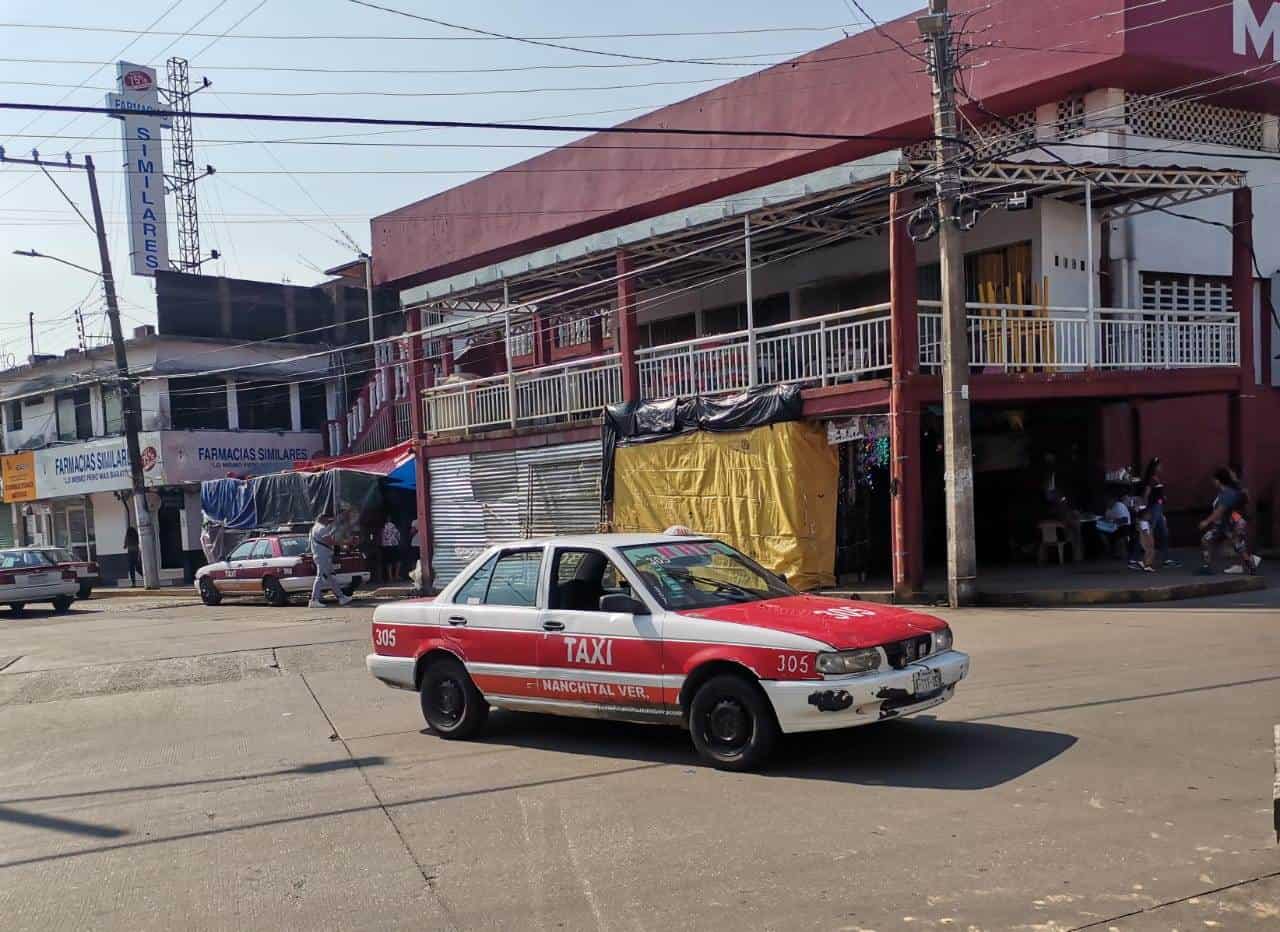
point(649, 421)
point(290, 497)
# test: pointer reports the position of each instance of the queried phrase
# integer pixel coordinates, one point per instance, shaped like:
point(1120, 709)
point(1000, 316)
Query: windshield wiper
point(718, 585)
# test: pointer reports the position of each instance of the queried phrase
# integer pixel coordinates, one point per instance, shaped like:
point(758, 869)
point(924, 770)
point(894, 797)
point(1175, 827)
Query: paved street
point(169, 765)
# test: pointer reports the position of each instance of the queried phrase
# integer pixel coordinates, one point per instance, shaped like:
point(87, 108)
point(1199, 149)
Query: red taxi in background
point(87, 574)
point(656, 628)
point(277, 566)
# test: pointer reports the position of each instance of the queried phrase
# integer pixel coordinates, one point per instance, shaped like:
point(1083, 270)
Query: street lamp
point(32, 254)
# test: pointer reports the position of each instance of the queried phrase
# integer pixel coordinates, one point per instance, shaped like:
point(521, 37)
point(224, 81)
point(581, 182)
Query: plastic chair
point(1052, 534)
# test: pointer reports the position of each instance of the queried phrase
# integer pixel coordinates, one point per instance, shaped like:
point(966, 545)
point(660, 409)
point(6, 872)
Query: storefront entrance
point(863, 529)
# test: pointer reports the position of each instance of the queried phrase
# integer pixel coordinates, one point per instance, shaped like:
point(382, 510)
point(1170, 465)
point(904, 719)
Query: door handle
point(457, 620)
point(553, 626)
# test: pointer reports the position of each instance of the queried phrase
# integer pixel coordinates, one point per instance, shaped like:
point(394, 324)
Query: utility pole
point(31, 332)
point(962, 563)
point(129, 396)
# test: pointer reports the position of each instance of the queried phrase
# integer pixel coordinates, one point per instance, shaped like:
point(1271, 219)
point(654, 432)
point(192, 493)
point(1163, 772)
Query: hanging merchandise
point(872, 460)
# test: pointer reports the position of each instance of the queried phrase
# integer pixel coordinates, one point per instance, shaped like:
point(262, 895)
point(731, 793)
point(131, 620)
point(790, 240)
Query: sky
point(288, 201)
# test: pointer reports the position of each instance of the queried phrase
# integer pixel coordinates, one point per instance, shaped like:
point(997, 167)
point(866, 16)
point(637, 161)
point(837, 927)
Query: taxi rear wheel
point(451, 704)
point(209, 593)
point(732, 724)
point(276, 594)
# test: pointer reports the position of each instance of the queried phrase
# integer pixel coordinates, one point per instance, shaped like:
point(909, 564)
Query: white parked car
point(657, 628)
point(31, 576)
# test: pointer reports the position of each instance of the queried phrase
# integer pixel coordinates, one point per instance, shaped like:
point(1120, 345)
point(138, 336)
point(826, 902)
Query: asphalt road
point(167, 765)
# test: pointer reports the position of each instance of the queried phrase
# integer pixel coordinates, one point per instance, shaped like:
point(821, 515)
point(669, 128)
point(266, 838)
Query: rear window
point(58, 555)
point(22, 559)
point(294, 546)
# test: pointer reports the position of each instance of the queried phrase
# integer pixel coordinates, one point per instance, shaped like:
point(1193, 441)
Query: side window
point(515, 579)
point(261, 551)
point(242, 552)
point(473, 590)
point(581, 578)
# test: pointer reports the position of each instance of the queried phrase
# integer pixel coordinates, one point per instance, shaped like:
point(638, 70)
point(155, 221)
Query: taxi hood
point(841, 623)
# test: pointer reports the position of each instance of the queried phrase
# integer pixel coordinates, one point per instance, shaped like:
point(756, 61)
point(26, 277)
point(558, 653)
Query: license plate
point(927, 681)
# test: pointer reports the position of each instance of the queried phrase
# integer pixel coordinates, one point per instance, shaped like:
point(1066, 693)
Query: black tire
point(62, 604)
point(275, 592)
point(732, 723)
point(17, 607)
point(349, 591)
point(209, 593)
point(86, 591)
point(451, 704)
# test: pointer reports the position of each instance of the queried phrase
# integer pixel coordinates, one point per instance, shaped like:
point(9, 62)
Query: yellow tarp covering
point(770, 492)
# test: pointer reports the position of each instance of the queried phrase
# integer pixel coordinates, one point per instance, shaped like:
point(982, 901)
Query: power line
point(346, 37)
point(544, 43)
point(469, 124)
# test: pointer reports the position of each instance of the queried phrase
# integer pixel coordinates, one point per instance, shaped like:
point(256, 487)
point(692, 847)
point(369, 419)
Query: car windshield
point(58, 555)
point(294, 546)
point(22, 559)
point(702, 574)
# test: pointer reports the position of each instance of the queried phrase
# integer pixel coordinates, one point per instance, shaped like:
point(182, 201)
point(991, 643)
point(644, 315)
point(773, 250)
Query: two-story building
point(210, 408)
point(1120, 166)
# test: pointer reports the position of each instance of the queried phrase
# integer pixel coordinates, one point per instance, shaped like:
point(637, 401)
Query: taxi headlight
point(942, 640)
point(849, 662)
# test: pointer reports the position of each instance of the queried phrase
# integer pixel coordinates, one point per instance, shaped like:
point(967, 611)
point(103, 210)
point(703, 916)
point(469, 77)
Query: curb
point(171, 592)
point(1177, 593)
point(1045, 598)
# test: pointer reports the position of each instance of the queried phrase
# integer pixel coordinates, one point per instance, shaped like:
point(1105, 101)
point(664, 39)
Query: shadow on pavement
point(329, 766)
point(921, 752)
point(58, 824)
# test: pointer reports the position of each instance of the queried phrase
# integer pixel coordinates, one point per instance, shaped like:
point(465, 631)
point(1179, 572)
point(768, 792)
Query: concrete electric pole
point(128, 395)
point(962, 564)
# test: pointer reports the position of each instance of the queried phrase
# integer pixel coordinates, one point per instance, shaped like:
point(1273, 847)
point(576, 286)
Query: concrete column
point(1271, 133)
point(295, 406)
point(1104, 109)
point(1244, 434)
point(628, 329)
point(1047, 122)
point(907, 486)
point(233, 407)
point(97, 414)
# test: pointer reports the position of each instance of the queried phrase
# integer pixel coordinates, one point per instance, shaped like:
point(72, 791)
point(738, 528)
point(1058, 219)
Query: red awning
point(381, 462)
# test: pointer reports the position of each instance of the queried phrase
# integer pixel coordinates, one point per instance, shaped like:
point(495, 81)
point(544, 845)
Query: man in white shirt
point(324, 539)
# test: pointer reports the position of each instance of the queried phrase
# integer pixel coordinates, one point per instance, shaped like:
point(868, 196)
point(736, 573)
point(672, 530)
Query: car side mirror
point(618, 604)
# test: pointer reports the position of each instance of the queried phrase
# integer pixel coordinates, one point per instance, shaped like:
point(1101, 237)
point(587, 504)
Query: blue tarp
point(229, 502)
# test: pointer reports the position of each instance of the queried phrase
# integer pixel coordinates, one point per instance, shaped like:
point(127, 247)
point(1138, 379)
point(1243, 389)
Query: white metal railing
point(579, 388)
point(838, 347)
point(1012, 337)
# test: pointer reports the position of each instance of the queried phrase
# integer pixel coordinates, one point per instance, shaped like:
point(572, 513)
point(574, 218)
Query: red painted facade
point(862, 85)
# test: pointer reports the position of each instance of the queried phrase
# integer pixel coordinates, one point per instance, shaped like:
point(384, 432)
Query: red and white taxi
point(277, 566)
point(28, 575)
point(87, 574)
point(655, 628)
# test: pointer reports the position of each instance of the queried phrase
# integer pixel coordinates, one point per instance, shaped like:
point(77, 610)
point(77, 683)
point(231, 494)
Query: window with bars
point(1167, 291)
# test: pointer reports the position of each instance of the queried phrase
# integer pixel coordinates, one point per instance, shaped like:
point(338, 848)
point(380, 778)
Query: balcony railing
point(824, 350)
point(844, 347)
point(1027, 338)
point(554, 393)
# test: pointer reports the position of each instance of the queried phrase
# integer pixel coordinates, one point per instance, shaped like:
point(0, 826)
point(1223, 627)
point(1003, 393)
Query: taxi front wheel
point(451, 704)
point(732, 725)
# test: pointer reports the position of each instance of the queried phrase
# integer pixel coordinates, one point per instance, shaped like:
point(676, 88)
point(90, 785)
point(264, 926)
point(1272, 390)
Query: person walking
point(1153, 488)
point(1226, 524)
point(389, 539)
point(324, 539)
point(133, 548)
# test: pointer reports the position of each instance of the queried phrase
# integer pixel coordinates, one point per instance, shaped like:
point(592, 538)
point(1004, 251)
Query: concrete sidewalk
point(1090, 582)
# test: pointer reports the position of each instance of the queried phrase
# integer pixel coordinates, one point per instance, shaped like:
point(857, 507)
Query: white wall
point(38, 420)
point(109, 523)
